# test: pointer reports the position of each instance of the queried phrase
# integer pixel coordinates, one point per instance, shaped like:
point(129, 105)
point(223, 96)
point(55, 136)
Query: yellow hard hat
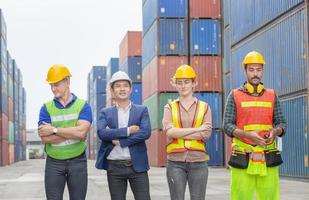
point(185, 71)
point(253, 57)
point(57, 73)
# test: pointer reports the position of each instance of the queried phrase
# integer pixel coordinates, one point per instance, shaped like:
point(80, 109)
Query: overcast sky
point(77, 33)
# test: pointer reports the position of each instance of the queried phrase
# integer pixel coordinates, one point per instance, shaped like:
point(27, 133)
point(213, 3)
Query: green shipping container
point(11, 132)
point(155, 105)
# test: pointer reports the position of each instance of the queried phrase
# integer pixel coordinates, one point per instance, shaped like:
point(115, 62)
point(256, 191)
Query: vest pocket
point(239, 160)
point(273, 158)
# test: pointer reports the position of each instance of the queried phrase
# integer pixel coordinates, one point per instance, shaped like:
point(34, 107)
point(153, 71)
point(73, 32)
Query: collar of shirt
point(60, 106)
point(195, 101)
point(124, 109)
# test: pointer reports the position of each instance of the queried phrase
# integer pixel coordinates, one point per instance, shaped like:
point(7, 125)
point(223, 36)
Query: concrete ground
point(25, 181)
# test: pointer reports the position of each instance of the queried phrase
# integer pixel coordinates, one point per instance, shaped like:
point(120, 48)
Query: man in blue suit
point(123, 130)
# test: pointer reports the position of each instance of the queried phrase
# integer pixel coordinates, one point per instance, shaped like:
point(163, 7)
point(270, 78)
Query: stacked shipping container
point(286, 68)
point(112, 67)
point(12, 105)
point(130, 61)
point(97, 100)
point(176, 33)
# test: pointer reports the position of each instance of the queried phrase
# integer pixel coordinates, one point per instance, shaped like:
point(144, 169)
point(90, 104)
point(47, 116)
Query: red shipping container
point(209, 73)
point(156, 148)
point(131, 45)
point(11, 154)
point(5, 153)
point(205, 9)
point(158, 73)
point(11, 109)
point(228, 149)
point(4, 127)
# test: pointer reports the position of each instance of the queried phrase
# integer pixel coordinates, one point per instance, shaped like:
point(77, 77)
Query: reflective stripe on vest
point(66, 117)
point(180, 144)
point(254, 113)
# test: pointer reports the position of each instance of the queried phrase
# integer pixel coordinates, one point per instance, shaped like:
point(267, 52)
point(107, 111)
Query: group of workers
point(253, 119)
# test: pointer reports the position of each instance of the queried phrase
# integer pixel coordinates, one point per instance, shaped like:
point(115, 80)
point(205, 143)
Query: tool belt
point(240, 157)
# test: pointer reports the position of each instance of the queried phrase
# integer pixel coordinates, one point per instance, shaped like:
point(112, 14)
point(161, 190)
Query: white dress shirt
point(118, 152)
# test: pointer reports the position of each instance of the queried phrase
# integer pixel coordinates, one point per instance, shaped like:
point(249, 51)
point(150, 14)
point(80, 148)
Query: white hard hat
point(120, 76)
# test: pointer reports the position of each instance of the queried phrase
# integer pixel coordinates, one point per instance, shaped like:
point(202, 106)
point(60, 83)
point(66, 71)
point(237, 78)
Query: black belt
point(126, 163)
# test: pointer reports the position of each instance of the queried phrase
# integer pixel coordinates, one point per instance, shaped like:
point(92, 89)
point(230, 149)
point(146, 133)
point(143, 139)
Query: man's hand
point(272, 134)
point(115, 142)
point(45, 129)
point(256, 138)
point(133, 129)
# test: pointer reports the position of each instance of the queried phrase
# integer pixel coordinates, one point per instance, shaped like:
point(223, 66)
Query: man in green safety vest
point(63, 125)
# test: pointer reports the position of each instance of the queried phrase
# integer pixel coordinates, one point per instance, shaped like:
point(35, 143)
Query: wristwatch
point(55, 130)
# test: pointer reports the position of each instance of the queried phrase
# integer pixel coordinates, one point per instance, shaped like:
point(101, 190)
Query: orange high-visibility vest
point(180, 144)
point(254, 113)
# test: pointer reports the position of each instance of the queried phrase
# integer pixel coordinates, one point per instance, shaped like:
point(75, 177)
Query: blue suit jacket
point(108, 130)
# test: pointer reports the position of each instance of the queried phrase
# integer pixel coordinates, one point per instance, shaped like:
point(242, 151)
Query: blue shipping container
point(154, 9)
point(4, 103)
point(286, 62)
point(133, 66)
point(112, 67)
point(2, 26)
point(214, 100)
point(226, 12)
point(136, 95)
point(97, 72)
point(18, 151)
point(247, 15)
point(3, 51)
point(227, 50)
point(295, 141)
point(99, 86)
point(227, 86)
point(214, 147)
point(165, 37)
point(3, 79)
point(205, 37)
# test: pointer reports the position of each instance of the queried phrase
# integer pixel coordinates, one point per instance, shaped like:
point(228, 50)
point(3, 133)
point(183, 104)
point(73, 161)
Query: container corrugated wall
point(154, 9)
point(131, 45)
point(248, 15)
point(136, 95)
point(112, 67)
point(226, 12)
point(286, 62)
point(227, 50)
point(205, 37)
point(133, 67)
point(156, 148)
point(214, 147)
point(165, 37)
point(295, 141)
point(205, 9)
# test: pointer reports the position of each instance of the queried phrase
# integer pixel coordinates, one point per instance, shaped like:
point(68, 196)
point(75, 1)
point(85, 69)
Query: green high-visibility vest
point(63, 118)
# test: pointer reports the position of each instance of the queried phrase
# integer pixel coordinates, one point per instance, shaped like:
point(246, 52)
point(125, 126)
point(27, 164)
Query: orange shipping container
point(162, 68)
point(4, 127)
point(5, 153)
point(208, 70)
point(205, 9)
point(131, 45)
point(24, 137)
point(11, 154)
point(156, 148)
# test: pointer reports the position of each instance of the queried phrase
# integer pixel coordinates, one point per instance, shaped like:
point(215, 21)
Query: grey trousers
point(72, 171)
point(118, 175)
point(179, 173)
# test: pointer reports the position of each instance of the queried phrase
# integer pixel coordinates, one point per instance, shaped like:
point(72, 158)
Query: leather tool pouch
point(239, 160)
point(273, 158)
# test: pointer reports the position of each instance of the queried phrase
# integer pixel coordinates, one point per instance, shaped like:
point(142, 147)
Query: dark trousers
point(72, 171)
point(118, 175)
point(181, 173)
